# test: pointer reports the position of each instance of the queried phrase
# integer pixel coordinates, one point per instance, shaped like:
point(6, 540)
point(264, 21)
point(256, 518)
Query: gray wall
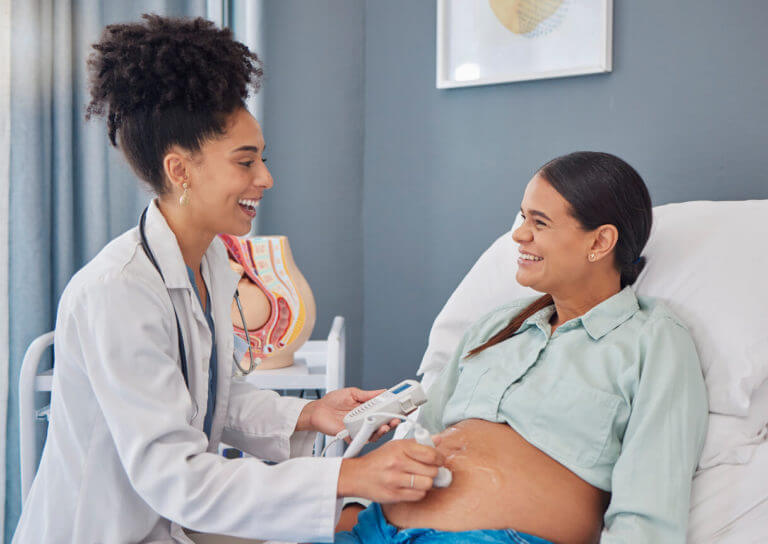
point(313, 129)
point(443, 171)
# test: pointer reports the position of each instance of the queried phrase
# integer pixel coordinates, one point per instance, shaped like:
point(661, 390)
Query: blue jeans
point(372, 528)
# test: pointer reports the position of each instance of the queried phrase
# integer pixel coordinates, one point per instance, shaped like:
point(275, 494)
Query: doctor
point(131, 448)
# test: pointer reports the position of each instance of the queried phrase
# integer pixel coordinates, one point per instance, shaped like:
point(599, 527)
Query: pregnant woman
point(575, 417)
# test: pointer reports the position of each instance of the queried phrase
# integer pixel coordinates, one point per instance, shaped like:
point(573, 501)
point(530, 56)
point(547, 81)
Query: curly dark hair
point(167, 81)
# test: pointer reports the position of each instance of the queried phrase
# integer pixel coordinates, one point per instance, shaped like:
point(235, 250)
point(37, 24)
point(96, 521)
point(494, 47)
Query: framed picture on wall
point(482, 42)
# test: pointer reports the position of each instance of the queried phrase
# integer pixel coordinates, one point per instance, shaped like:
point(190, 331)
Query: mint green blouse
point(616, 395)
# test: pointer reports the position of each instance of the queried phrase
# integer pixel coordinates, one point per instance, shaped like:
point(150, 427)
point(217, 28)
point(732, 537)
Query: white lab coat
point(126, 459)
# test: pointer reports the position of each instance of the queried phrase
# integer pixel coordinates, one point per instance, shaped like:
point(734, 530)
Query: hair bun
point(160, 63)
point(162, 82)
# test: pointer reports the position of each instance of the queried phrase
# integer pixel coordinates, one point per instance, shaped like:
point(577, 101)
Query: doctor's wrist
point(350, 477)
point(304, 422)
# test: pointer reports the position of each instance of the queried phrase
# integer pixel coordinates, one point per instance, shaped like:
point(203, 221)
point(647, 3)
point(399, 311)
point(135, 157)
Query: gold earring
point(591, 256)
point(184, 198)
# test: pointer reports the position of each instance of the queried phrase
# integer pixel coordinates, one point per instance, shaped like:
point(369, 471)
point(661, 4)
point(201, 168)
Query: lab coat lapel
point(168, 255)
point(165, 248)
point(197, 337)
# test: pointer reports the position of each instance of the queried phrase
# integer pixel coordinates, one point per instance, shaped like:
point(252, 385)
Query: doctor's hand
point(326, 415)
point(398, 471)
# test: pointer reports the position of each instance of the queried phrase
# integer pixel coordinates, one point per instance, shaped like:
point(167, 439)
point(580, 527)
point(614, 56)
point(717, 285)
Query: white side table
point(318, 364)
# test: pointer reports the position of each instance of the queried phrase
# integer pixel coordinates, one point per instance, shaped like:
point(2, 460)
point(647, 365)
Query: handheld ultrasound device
point(394, 403)
point(402, 399)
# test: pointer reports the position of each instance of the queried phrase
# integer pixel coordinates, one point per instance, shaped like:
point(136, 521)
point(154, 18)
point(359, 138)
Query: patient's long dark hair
point(601, 189)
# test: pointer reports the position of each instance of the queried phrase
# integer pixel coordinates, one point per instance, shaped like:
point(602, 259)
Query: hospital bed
point(709, 262)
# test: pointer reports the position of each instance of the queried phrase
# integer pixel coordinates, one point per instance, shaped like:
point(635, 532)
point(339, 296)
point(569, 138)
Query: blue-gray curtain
point(70, 192)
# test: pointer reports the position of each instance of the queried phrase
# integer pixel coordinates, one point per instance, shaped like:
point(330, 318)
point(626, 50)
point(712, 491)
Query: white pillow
point(707, 261)
point(732, 440)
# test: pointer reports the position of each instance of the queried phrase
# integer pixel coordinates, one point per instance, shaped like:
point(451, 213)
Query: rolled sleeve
point(651, 480)
point(263, 423)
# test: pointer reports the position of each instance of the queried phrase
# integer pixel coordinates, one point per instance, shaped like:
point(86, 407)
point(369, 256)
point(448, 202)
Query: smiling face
point(554, 248)
point(228, 177)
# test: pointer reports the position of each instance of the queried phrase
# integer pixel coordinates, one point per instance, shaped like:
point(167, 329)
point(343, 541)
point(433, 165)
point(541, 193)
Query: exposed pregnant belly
point(500, 481)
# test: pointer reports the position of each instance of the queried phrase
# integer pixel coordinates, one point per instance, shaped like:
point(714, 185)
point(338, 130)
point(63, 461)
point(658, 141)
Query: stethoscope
point(182, 351)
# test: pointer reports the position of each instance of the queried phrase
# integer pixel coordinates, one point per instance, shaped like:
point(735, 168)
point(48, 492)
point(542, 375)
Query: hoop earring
point(184, 198)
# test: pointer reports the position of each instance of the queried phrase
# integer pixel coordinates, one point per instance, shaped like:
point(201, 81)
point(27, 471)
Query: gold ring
point(412, 477)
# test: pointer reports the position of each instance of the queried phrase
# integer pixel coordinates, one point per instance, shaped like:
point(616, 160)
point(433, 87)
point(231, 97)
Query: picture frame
point(486, 42)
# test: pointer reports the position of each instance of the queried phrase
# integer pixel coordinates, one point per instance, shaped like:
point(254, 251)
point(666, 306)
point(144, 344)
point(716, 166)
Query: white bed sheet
point(729, 503)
